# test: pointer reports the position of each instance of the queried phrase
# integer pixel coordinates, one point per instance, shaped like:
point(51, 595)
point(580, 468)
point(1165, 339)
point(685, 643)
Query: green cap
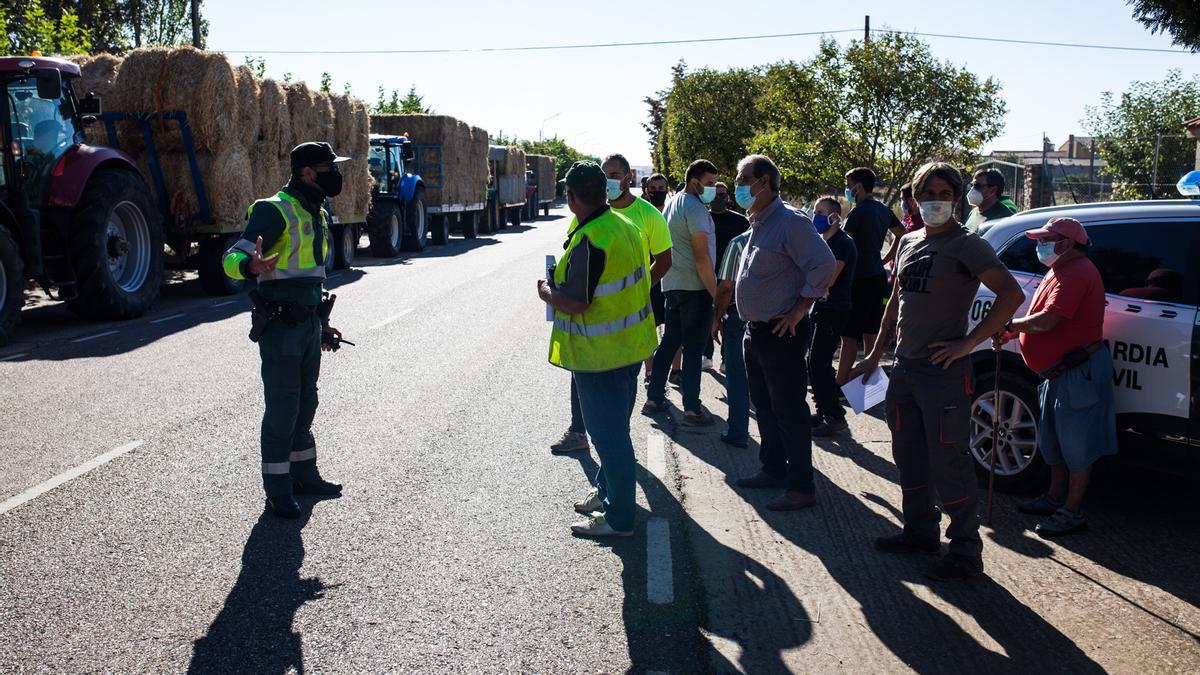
point(585, 176)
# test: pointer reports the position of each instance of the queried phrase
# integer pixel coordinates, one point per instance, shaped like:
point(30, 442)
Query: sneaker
point(591, 504)
point(651, 407)
point(706, 363)
point(571, 441)
point(907, 543)
point(1061, 521)
point(1044, 505)
point(697, 418)
point(955, 568)
point(830, 426)
point(676, 377)
point(597, 526)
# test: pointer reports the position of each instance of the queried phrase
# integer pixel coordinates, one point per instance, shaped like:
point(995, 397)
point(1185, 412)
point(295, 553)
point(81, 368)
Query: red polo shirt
point(1074, 291)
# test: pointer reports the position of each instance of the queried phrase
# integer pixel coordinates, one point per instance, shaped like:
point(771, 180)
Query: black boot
point(317, 486)
point(284, 506)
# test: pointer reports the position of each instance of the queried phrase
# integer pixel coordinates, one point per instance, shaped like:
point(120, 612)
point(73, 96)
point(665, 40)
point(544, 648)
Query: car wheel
point(1019, 464)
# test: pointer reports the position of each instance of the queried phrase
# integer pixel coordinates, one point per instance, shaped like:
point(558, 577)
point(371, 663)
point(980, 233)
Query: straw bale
point(269, 172)
point(96, 76)
point(324, 128)
point(508, 167)
point(542, 167)
point(300, 108)
point(249, 113)
point(198, 82)
point(276, 121)
point(461, 177)
point(228, 181)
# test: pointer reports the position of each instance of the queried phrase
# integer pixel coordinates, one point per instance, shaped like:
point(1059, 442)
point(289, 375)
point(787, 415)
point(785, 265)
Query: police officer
point(292, 227)
point(603, 330)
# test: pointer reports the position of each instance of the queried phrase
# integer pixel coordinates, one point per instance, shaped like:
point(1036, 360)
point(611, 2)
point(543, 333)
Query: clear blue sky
point(597, 93)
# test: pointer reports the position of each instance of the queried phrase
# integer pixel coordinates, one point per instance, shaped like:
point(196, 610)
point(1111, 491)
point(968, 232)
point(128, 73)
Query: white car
point(1148, 254)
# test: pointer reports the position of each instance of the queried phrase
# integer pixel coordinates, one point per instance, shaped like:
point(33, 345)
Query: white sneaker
point(591, 504)
point(597, 526)
point(706, 363)
point(570, 442)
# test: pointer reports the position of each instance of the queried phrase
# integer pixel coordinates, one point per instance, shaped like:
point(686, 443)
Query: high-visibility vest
point(617, 329)
point(294, 245)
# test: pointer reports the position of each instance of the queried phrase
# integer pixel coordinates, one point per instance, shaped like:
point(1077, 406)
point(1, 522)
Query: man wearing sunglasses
point(987, 198)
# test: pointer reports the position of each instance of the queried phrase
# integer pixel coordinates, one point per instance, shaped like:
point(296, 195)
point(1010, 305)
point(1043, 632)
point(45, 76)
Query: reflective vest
point(617, 329)
point(294, 245)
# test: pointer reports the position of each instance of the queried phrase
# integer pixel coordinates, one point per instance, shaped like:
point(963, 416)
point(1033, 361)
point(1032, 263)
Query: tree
point(156, 23)
point(258, 66)
point(385, 104)
point(326, 83)
point(888, 104)
point(1127, 128)
point(414, 104)
point(30, 28)
point(1180, 18)
point(564, 155)
point(657, 104)
point(711, 115)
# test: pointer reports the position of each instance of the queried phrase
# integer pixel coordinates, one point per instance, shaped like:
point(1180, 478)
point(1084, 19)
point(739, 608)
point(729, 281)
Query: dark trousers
point(737, 393)
point(929, 413)
point(291, 364)
point(577, 425)
point(827, 335)
point(777, 373)
point(606, 400)
point(689, 318)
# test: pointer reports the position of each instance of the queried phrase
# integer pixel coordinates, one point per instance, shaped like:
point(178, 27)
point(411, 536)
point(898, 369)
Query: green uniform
point(293, 224)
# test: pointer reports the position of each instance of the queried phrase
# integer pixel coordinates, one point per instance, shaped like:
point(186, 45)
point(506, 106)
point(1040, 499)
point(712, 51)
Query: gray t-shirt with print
point(938, 278)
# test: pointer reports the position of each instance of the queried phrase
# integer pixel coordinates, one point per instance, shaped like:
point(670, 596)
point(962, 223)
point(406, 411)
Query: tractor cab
point(388, 162)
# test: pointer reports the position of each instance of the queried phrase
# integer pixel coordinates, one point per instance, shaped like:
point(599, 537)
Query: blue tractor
point(398, 219)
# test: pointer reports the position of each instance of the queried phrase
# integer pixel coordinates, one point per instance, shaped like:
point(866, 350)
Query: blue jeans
point(689, 318)
point(737, 391)
point(777, 372)
point(607, 399)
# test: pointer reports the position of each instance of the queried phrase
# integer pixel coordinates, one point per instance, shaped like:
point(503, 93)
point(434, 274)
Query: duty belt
point(1072, 359)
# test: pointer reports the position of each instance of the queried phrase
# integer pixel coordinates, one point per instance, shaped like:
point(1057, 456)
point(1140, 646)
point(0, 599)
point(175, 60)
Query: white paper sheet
point(863, 397)
point(550, 262)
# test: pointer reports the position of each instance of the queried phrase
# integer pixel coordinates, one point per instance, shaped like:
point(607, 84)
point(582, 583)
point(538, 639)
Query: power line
point(735, 38)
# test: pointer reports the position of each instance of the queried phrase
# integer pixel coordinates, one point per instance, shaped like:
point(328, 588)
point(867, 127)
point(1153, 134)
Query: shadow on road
point(254, 632)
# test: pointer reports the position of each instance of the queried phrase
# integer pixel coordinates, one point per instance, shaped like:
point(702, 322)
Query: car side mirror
point(409, 152)
point(49, 83)
point(89, 105)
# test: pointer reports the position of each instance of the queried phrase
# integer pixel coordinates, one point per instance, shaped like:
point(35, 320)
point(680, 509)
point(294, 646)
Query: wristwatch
point(1008, 327)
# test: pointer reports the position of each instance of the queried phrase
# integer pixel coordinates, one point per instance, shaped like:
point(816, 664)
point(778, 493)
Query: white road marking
point(660, 585)
point(222, 304)
point(46, 486)
point(96, 336)
point(168, 318)
point(14, 357)
point(388, 320)
point(656, 455)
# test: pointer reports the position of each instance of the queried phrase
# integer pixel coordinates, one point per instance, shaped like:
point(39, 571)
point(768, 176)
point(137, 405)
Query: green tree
point(711, 115)
point(1127, 127)
point(386, 104)
point(155, 23)
point(326, 83)
point(31, 28)
point(1179, 18)
point(414, 103)
point(564, 155)
point(657, 105)
point(888, 104)
point(258, 66)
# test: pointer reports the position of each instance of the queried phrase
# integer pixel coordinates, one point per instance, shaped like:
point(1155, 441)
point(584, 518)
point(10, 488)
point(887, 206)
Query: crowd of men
point(781, 291)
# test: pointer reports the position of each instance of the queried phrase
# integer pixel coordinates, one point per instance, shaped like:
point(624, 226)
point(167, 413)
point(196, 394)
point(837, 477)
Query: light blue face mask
point(614, 189)
point(708, 194)
point(849, 195)
point(1045, 253)
point(743, 196)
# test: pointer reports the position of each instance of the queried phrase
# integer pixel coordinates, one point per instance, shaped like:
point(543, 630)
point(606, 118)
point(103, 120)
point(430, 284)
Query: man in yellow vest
point(292, 226)
point(603, 330)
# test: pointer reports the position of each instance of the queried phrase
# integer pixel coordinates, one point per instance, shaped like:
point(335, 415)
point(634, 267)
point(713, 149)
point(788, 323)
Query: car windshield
point(41, 129)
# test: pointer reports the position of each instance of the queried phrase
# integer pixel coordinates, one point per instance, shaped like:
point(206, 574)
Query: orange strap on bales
point(162, 76)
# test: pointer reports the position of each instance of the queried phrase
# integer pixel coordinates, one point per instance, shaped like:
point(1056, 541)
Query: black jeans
point(778, 378)
point(689, 319)
point(827, 335)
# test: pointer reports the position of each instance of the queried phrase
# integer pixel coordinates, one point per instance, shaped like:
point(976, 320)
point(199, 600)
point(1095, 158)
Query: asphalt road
point(132, 536)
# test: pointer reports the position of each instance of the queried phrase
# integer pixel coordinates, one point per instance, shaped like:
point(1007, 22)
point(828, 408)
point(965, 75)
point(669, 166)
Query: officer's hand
point(327, 346)
point(258, 264)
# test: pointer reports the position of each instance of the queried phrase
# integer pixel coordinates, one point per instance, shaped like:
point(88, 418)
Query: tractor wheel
point(470, 224)
point(116, 247)
point(211, 266)
point(440, 230)
point(12, 286)
point(385, 227)
point(416, 223)
point(344, 240)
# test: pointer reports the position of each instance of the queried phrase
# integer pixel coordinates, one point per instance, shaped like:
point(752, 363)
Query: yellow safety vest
point(294, 245)
point(618, 327)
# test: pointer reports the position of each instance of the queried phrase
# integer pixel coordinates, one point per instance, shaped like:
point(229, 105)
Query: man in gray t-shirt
point(686, 216)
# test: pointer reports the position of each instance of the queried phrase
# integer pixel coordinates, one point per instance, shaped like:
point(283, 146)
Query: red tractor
point(77, 219)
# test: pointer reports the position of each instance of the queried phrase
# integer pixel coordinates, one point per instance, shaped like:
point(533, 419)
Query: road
point(132, 536)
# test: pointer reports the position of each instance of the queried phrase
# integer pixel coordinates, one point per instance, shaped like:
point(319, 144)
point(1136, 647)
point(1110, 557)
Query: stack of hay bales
point(542, 167)
point(508, 171)
point(97, 74)
point(243, 129)
point(461, 178)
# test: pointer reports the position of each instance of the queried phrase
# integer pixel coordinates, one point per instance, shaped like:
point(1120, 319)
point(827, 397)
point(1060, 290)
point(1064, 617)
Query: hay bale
point(300, 109)
point(275, 127)
point(542, 167)
point(508, 171)
point(325, 128)
point(249, 109)
point(97, 74)
point(228, 181)
point(200, 83)
point(462, 176)
point(268, 171)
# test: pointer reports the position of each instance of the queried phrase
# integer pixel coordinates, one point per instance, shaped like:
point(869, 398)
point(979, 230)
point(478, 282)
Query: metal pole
point(867, 30)
point(1154, 171)
point(196, 25)
point(1092, 174)
point(1042, 177)
point(995, 439)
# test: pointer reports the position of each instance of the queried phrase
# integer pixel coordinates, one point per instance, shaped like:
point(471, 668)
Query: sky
point(592, 98)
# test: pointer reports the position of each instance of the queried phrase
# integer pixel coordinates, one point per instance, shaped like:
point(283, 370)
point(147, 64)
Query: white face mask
point(614, 189)
point(936, 213)
point(974, 197)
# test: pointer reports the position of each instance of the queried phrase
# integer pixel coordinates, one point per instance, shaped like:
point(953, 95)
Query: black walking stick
point(995, 436)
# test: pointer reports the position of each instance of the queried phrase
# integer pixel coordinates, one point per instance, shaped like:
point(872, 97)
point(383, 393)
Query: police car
point(1148, 254)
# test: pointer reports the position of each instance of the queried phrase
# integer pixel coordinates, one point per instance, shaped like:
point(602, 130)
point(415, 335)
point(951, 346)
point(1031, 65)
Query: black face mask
point(656, 197)
point(720, 203)
point(330, 182)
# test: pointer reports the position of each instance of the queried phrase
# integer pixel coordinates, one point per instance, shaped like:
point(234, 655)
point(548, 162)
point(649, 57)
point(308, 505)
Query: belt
point(1072, 359)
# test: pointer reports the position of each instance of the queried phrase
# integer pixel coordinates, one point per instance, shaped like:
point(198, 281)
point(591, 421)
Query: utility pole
point(867, 30)
point(1042, 178)
point(196, 25)
point(1092, 173)
point(1154, 170)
